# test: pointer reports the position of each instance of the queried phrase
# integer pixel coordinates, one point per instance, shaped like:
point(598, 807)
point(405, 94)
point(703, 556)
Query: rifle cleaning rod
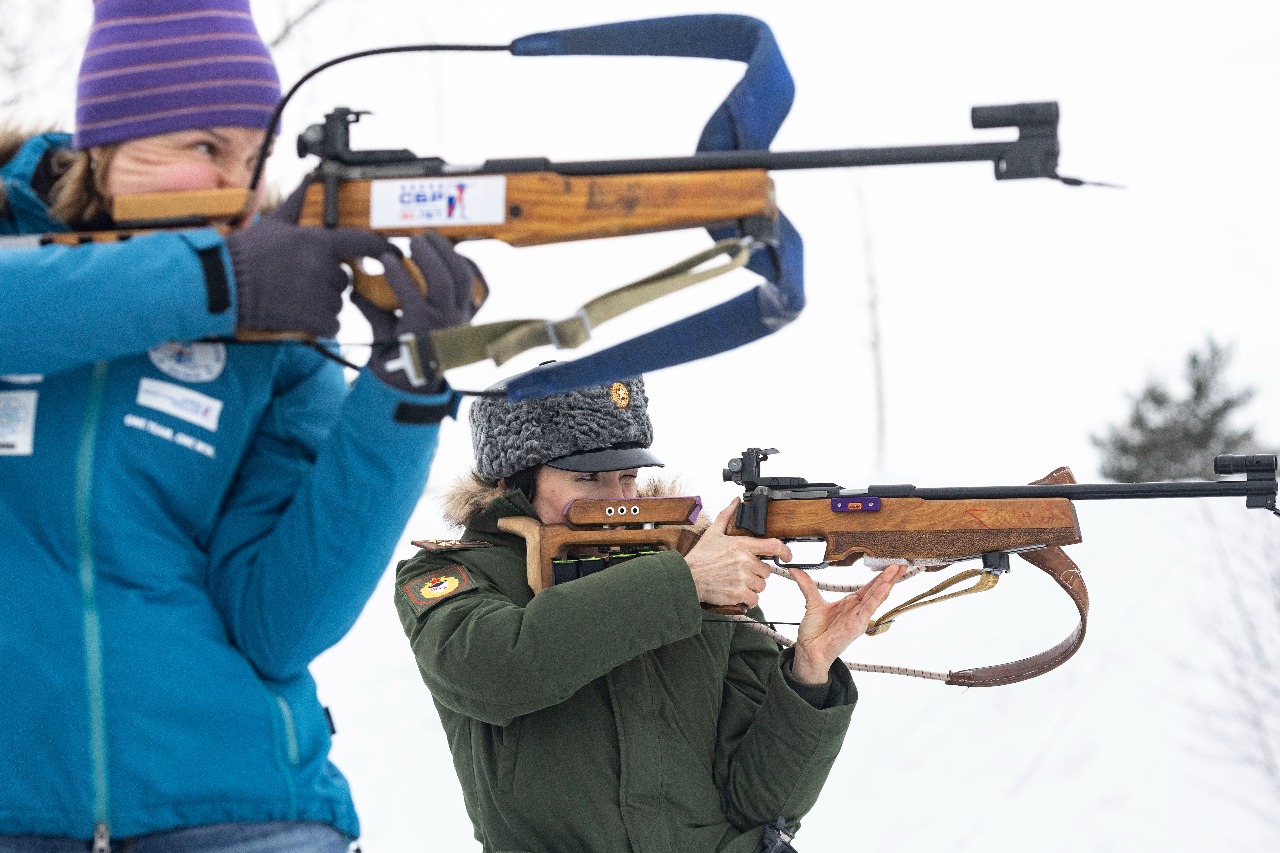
point(1085, 491)
point(711, 161)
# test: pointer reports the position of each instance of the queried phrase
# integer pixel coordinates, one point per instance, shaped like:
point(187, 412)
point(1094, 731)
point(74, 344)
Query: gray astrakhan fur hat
point(603, 428)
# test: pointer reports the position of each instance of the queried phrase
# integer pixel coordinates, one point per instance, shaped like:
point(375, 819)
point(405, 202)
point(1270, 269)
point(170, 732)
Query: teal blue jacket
point(183, 529)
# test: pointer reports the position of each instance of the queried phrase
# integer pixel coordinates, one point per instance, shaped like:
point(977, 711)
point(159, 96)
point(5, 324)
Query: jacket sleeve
point(319, 502)
point(70, 305)
point(775, 749)
point(485, 657)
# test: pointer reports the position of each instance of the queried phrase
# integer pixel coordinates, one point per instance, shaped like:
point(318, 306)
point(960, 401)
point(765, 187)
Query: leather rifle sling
point(1054, 562)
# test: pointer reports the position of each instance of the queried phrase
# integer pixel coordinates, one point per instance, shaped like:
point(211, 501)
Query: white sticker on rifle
point(435, 202)
point(17, 422)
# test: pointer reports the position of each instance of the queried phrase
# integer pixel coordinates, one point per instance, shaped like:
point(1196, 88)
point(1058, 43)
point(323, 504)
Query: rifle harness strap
point(747, 120)
point(502, 341)
point(1054, 562)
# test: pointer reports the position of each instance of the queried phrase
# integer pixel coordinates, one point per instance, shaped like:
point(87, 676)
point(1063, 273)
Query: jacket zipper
point(290, 730)
point(292, 752)
point(89, 603)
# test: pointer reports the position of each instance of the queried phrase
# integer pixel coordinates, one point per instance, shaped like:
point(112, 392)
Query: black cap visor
point(609, 459)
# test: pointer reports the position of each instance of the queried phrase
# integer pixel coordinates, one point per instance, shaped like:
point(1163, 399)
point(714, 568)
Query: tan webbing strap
point(985, 581)
point(1054, 562)
point(503, 341)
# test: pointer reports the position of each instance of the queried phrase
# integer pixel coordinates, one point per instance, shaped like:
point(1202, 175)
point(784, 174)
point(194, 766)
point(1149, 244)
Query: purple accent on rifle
point(861, 504)
point(697, 509)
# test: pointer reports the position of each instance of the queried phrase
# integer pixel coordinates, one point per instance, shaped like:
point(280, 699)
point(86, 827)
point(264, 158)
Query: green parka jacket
point(610, 714)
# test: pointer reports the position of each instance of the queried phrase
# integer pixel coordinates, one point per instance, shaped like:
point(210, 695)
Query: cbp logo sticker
point(425, 591)
point(190, 362)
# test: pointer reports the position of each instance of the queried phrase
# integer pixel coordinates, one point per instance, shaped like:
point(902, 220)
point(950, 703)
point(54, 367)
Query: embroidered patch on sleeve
point(426, 591)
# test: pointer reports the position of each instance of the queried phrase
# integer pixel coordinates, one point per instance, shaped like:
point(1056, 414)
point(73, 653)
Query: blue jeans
point(277, 837)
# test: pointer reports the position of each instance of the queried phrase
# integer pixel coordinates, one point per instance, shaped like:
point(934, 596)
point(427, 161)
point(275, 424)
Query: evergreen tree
point(1176, 438)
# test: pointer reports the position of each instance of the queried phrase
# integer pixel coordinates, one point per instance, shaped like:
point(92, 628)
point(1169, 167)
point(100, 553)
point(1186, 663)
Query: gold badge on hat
point(621, 396)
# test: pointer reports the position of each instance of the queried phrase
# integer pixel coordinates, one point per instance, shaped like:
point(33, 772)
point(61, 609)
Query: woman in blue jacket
point(185, 524)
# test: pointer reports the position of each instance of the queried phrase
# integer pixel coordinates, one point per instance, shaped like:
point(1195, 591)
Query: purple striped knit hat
point(157, 66)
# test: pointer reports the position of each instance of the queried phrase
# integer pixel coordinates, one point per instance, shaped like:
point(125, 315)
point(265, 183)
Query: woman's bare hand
point(727, 569)
point(829, 627)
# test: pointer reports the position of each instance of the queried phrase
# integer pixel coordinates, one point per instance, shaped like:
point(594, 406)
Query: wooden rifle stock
point(950, 524)
point(540, 208)
point(600, 534)
point(602, 530)
point(544, 207)
point(916, 529)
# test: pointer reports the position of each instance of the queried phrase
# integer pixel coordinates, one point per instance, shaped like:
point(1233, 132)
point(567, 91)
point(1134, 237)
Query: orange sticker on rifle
point(425, 591)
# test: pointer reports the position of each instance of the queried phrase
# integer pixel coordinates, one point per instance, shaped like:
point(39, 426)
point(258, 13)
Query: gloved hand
point(288, 277)
point(402, 354)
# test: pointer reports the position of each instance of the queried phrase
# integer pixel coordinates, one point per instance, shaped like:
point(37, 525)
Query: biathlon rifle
point(931, 528)
point(724, 187)
point(928, 528)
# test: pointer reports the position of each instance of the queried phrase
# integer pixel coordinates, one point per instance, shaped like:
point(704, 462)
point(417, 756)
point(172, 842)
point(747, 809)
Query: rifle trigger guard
point(803, 566)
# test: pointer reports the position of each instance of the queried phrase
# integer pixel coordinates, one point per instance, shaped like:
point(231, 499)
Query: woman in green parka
point(613, 713)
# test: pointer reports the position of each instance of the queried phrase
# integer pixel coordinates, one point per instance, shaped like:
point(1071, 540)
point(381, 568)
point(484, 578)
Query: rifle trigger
point(804, 566)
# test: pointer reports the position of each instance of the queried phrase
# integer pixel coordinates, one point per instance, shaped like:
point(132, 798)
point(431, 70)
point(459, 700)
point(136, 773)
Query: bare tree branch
point(873, 319)
point(292, 23)
point(1245, 627)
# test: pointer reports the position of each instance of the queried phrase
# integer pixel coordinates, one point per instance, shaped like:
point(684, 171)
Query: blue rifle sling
point(747, 120)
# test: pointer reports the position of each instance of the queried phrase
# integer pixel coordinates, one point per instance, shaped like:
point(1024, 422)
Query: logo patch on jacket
point(426, 591)
point(17, 422)
point(181, 402)
point(201, 361)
